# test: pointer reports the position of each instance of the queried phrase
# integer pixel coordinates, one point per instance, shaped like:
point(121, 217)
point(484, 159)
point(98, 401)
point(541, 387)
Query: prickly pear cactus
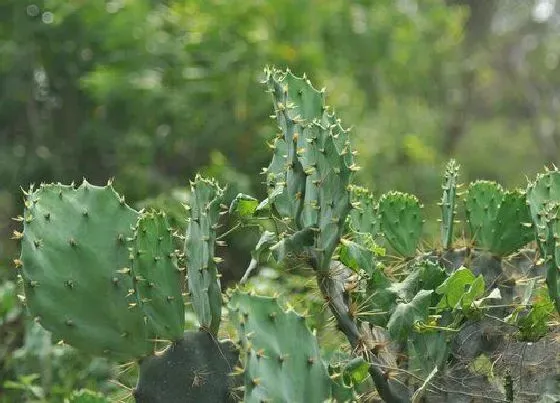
point(482, 203)
point(544, 189)
point(550, 250)
point(157, 277)
point(76, 269)
point(318, 163)
point(512, 228)
point(194, 369)
point(400, 216)
point(363, 217)
point(203, 281)
point(283, 361)
point(499, 221)
point(447, 204)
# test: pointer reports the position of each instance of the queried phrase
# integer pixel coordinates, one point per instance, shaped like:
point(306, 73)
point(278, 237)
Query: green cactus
point(363, 217)
point(158, 279)
point(400, 217)
point(318, 160)
point(76, 270)
point(447, 204)
point(498, 220)
point(203, 279)
point(550, 249)
point(282, 359)
point(512, 229)
point(194, 369)
point(544, 189)
point(482, 203)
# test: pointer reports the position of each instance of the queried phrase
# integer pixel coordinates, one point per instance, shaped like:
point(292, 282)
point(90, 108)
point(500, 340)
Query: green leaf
point(460, 289)
point(356, 256)
point(535, 324)
point(356, 371)
point(426, 351)
point(407, 314)
point(475, 291)
point(244, 206)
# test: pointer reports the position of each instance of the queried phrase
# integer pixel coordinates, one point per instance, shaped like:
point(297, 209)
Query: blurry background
point(151, 91)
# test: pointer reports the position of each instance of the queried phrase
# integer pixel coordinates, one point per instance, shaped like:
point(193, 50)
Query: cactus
point(498, 219)
point(543, 190)
point(363, 217)
point(512, 228)
point(482, 203)
point(400, 217)
point(319, 163)
point(447, 204)
point(158, 279)
point(105, 277)
point(203, 281)
point(194, 369)
point(282, 358)
point(550, 250)
point(74, 247)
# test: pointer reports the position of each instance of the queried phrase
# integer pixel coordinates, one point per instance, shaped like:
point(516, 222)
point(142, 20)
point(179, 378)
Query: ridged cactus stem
point(447, 204)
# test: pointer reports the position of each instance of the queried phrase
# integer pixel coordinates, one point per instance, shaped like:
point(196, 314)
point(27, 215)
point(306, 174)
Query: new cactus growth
point(203, 281)
point(400, 216)
point(447, 204)
point(282, 358)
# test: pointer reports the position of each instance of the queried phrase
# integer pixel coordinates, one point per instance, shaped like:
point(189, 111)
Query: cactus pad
point(203, 281)
point(76, 270)
point(363, 218)
point(283, 362)
point(511, 229)
point(158, 279)
point(545, 189)
point(482, 203)
point(400, 217)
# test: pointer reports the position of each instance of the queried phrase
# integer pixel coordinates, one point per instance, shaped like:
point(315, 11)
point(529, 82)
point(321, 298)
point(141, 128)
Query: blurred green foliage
point(150, 91)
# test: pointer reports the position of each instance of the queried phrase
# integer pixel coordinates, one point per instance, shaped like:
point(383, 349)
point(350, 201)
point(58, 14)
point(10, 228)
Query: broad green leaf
point(426, 351)
point(356, 256)
point(475, 291)
point(457, 286)
point(356, 371)
point(244, 206)
point(407, 314)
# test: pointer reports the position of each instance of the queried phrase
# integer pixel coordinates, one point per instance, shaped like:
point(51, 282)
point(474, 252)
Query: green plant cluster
point(110, 281)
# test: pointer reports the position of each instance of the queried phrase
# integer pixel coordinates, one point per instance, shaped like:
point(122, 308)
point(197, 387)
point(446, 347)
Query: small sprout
point(69, 322)
point(72, 242)
point(69, 284)
point(37, 243)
